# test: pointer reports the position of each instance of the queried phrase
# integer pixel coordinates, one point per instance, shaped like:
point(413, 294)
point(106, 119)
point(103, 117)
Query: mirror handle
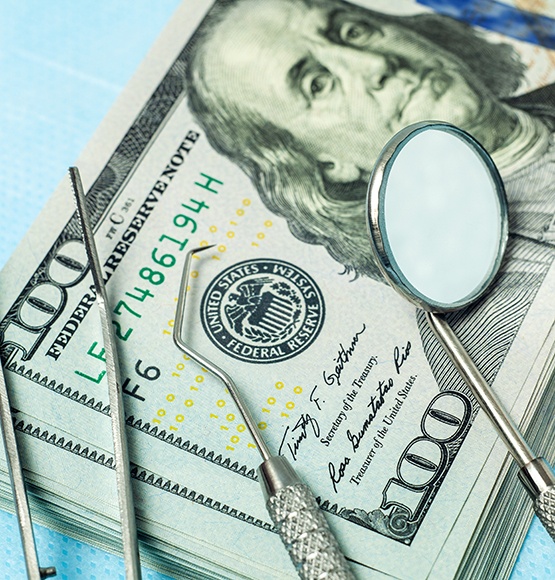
point(535, 473)
point(485, 396)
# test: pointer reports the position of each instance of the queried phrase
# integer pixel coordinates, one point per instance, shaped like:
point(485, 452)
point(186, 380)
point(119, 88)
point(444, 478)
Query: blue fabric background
point(62, 65)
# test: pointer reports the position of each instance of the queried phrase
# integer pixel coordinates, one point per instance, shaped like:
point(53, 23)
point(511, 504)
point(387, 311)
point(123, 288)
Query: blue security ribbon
point(499, 17)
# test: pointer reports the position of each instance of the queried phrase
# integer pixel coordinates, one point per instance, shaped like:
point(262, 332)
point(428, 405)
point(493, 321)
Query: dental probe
point(300, 523)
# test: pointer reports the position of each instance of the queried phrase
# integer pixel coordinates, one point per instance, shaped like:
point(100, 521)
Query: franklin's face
point(339, 79)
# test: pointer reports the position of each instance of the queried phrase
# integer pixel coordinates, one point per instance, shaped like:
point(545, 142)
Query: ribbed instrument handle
point(545, 510)
point(301, 524)
point(307, 537)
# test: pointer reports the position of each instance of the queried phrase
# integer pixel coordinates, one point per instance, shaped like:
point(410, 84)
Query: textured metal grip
point(545, 510)
point(306, 535)
point(539, 480)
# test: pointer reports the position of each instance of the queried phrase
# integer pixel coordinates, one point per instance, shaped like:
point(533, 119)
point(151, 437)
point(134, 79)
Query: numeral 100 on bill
point(425, 462)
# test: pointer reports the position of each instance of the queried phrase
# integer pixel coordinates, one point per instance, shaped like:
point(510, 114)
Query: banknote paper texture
point(254, 127)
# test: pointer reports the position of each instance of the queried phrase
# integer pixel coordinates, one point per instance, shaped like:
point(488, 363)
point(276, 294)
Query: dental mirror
point(437, 218)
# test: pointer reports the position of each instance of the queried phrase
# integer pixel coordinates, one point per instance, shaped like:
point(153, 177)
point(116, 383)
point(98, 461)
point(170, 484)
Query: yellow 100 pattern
point(179, 403)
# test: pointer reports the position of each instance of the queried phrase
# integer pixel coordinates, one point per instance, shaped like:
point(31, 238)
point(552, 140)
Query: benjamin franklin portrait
point(303, 94)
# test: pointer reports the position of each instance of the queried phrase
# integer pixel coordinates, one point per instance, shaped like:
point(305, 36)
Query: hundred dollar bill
point(254, 126)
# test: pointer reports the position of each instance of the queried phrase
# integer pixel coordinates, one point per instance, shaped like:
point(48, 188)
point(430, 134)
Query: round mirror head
point(437, 216)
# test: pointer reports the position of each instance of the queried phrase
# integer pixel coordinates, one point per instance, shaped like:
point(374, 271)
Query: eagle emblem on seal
point(263, 310)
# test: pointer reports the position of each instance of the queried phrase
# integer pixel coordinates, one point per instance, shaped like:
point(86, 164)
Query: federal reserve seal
point(263, 311)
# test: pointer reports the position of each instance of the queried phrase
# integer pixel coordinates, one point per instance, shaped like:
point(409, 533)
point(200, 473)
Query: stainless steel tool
point(437, 216)
point(34, 572)
point(117, 412)
point(300, 523)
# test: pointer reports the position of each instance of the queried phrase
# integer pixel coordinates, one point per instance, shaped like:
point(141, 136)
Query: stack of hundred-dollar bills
point(255, 126)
